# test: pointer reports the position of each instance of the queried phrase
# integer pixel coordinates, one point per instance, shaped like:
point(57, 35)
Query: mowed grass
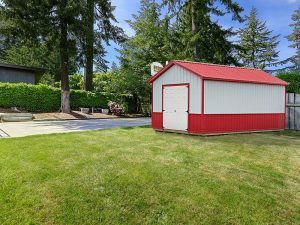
point(138, 176)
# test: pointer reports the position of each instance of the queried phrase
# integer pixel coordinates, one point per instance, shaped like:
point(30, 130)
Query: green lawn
point(138, 176)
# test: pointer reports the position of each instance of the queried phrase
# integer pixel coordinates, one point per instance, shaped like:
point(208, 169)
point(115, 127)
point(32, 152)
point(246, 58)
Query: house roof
point(223, 73)
point(12, 66)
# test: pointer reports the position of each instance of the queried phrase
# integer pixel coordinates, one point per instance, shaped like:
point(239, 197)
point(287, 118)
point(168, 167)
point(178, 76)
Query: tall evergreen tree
point(258, 46)
point(146, 46)
point(201, 38)
point(114, 67)
point(89, 44)
point(18, 48)
point(295, 39)
point(98, 26)
point(66, 24)
point(52, 22)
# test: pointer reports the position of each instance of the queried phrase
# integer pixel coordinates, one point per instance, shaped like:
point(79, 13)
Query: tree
point(76, 81)
point(295, 39)
point(103, 82)
point(88, 19)
point(146, 46)
point(258, 47)
point(52, 22)
point(37, 55)
point(199, 37)
point(97, 21)
point(114, 67)
point(293, 78)
point(65, 24)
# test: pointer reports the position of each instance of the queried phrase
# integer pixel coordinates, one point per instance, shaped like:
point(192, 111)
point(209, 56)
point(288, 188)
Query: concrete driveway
point(21, 129)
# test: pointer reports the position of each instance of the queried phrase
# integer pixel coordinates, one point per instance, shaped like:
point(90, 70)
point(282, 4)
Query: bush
point(115, 108)
point(293, 78)
point(87, 99)
point(35, 98)
point(127, 101)
point(43, 98)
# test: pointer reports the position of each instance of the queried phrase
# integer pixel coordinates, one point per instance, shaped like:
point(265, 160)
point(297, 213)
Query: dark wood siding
point(16, 76)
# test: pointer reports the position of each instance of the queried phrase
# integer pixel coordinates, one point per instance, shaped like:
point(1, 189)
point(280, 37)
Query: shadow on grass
point(289, 133)
point(131, 128)
point(256, 139)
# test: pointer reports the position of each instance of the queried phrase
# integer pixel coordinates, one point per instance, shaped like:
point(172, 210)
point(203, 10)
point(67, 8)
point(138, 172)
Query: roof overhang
point(177, 62)
point(13, 66)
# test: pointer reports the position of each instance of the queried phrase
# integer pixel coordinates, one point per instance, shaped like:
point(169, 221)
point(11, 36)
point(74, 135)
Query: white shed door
point(175, 107)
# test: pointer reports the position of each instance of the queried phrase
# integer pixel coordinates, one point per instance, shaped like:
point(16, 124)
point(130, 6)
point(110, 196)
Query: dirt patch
point(75, 115)
point(95, 115)
point(9, 110)
point(56, 116)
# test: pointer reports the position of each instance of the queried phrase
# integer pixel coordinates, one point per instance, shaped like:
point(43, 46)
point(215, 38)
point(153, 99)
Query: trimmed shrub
point(43, 98)
point(35, 98)
point(80, 98)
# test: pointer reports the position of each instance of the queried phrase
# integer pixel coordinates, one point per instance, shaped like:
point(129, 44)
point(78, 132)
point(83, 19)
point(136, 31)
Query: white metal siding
point(242, 98)
point(177, 75)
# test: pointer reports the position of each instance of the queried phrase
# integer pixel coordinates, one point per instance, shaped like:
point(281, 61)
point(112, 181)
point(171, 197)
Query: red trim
point(195, 122)
point(152, 99)
point(172, 85)
point(284, 106)
point(178, 63)
point(226, 123)
point(157, 121)
point(202, 97)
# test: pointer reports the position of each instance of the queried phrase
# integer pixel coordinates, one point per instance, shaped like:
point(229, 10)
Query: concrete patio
point(22, 129)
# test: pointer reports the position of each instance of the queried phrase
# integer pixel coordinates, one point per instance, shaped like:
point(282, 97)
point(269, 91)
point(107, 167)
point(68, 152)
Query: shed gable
point(178, 75)
point(223, 73)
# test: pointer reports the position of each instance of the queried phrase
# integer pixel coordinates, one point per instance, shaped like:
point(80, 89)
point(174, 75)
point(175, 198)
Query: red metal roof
point(220, 72)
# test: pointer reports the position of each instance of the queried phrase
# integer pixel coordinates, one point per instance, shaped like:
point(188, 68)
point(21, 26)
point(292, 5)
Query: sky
point(276, 13)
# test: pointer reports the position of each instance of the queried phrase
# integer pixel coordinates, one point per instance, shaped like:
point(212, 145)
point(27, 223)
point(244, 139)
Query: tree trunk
point(64, 61)
point(65, 101)
point(136, 103)
point(194, 32)
point(89, 45)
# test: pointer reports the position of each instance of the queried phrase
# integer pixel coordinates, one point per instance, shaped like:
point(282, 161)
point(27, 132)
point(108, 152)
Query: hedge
point(81, 98)
point(43, 98)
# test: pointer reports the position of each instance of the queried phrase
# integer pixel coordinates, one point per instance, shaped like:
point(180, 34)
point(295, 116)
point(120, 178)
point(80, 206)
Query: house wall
point(242, 98)
point(16, 76)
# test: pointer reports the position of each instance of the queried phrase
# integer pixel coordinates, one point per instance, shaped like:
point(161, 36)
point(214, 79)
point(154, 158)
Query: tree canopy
point(63, 25)
point(294, 37)
point(199, 37)
point(258, 46)
point(293, 78)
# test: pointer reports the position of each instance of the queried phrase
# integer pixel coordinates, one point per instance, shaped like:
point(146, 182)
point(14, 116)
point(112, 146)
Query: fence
point(292, 111)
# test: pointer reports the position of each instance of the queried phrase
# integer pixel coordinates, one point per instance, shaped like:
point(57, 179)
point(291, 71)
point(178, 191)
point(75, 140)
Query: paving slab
point(21, 129)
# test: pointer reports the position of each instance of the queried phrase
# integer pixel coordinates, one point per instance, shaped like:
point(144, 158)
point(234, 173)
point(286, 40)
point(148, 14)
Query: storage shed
point(203, 98)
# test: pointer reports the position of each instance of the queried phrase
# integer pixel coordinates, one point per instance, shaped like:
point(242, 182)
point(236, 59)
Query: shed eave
point(172, 63)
